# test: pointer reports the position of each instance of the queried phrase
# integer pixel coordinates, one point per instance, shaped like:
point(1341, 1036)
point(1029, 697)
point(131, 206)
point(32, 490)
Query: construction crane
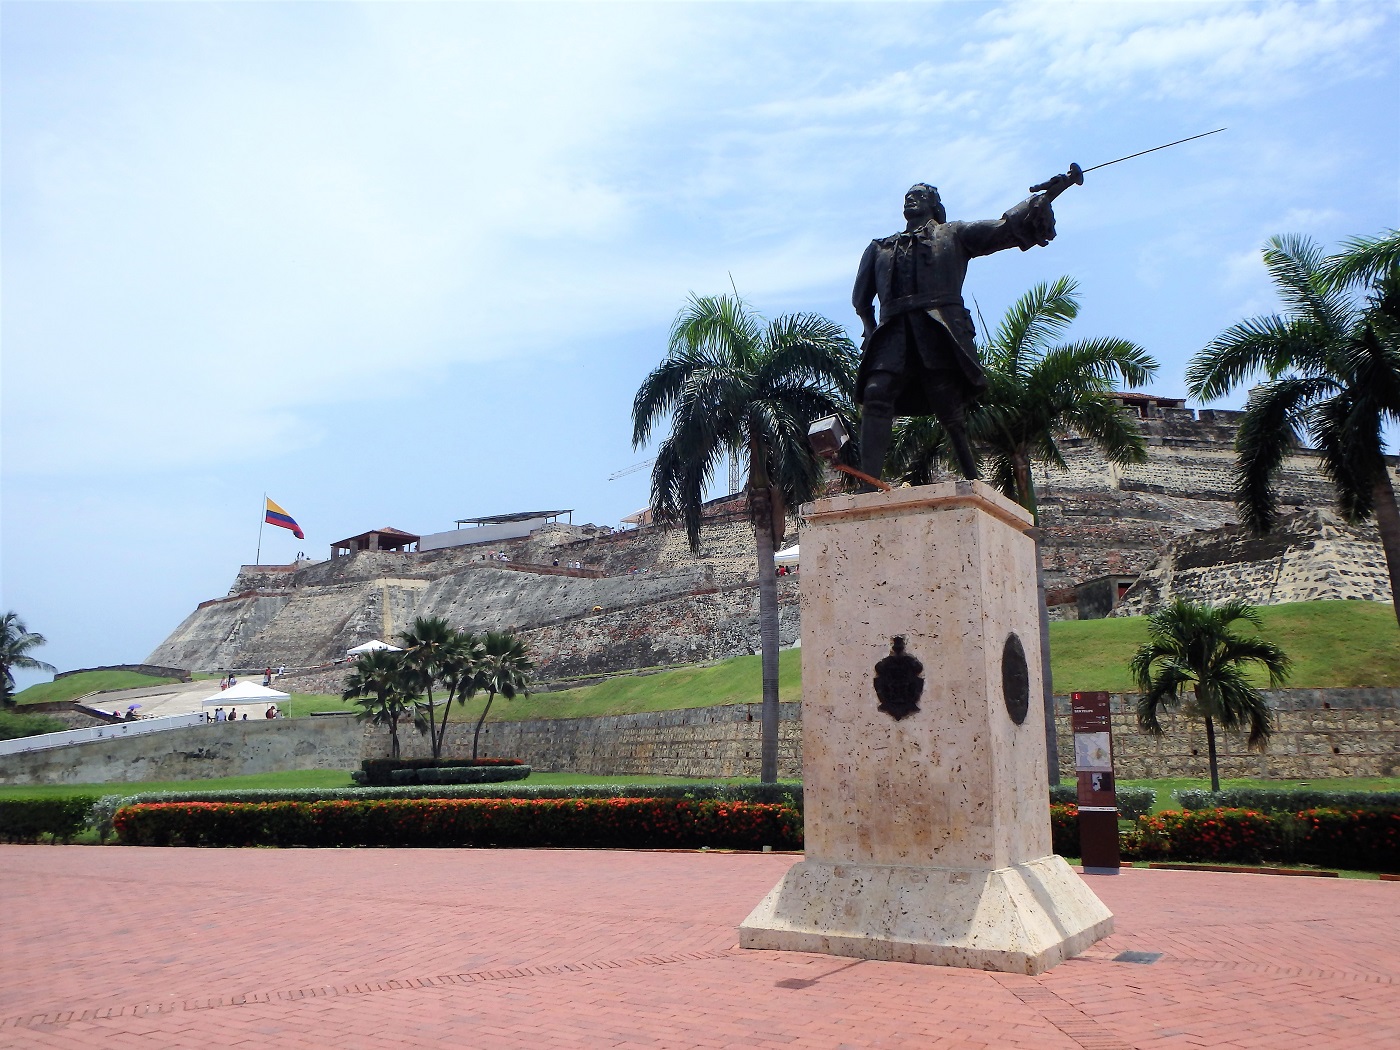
point(735, 471)
point(631, 470)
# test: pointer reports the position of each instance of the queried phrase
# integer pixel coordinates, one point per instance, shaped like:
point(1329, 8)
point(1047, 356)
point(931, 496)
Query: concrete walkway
point(172, 698)
point(134, 948)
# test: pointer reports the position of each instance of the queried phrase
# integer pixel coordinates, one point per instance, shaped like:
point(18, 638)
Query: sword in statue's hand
point(1057, 184)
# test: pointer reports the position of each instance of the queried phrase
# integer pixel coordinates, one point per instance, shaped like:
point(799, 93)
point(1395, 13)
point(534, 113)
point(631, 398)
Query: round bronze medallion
point(1015, 679)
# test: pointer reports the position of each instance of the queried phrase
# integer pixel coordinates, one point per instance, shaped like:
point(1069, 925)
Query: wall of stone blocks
point(1322, 733)
point(1319, 733)
point(696, 742)
point(215, 749)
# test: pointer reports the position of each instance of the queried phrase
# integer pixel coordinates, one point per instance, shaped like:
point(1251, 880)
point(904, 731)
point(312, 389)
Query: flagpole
point(262, 520)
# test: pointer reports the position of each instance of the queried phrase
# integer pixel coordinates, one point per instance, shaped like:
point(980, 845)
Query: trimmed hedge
point(636, 823)
point(1361, 839)
point(1208, 834)
point(788, 793)
point(379, 772)
point(1287, 800)
point(1064, 829)
point(1133, 802)
point(1364, 839)
point(460, 774)
point(25, 819)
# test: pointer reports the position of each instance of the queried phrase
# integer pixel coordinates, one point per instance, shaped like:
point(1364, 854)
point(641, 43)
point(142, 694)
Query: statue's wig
point(931, 196)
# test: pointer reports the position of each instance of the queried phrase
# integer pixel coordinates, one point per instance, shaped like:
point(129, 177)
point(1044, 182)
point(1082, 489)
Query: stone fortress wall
point(1321, 733)
point(644, 600)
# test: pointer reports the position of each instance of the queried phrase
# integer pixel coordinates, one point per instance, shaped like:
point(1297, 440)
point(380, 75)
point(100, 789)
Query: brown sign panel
point(1090, 718)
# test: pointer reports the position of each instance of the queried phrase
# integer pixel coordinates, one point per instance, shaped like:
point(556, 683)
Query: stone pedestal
point(927, 836)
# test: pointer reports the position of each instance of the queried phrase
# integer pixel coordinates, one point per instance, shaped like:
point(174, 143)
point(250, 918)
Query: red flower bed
point(1207, 834)
point(639, 823)
point(1361, 838)
point(1064, 829)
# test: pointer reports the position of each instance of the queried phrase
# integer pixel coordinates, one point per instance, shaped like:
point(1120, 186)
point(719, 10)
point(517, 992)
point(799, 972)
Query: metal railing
point(46, 741)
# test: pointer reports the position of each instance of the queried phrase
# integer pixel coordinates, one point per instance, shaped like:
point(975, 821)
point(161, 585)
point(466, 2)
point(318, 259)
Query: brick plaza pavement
point(149, 948)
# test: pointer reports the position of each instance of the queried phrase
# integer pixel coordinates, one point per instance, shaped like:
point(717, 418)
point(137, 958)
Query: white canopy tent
point(787, 556)
point(374, 645)
point(243, 693)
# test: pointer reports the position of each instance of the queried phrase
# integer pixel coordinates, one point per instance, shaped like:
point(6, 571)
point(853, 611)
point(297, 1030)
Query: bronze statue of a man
point(919, 359)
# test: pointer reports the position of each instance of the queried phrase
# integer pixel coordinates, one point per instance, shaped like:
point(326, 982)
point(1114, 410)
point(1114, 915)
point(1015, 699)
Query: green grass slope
point(76, 685)
point(1332, 644)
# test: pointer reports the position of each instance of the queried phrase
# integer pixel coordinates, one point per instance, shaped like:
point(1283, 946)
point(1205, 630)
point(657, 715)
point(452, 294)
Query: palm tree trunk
point(432, 721)
point(442, 734)
point(1210, 748)
point(1388, 524)
point(476, 736)
point(761, 507)
point(394, 736)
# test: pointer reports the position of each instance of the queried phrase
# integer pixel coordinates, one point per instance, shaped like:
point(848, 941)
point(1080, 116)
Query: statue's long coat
point(918, 279)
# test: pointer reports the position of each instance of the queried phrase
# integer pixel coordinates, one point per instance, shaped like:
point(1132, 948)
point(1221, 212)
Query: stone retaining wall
point(215, 749)
point(1321, 733)
point(694, 742)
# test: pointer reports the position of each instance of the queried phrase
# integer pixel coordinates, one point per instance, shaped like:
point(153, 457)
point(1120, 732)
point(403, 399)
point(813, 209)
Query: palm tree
point(1037, 392)
point(383, 689)
point(16, 642)
point(1332, 375)
point(732, 382)
point(1194, 645)
point(457, 670)
point(429, 651)
point(504, 668)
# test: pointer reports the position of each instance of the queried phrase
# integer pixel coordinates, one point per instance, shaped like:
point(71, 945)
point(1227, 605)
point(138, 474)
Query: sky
point(400, 264)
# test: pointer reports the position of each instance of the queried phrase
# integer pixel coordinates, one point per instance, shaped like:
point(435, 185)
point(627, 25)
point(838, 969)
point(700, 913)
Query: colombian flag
point(277, 516)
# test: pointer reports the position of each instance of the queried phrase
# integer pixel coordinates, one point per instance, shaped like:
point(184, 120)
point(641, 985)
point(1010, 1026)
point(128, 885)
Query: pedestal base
point(1021, 919)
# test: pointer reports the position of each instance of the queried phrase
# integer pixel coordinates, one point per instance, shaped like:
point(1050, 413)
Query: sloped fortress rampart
point(639, 598)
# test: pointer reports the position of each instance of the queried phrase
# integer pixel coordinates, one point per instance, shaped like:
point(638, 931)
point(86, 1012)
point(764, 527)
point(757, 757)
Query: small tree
point(458, 669)
point(733, 383)
point(382, 688)
point(1195, 645)
point(504, 668)
point(16, 642)
point(430, 652)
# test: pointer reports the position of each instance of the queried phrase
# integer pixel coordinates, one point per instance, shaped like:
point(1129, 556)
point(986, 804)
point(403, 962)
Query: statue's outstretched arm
point(1028, 224)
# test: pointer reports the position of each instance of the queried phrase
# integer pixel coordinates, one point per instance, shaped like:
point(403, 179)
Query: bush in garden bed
point(1363, 839)
point(460, 775)
point(1064, 829)
point(1133, 802)
point(1286, 800)
point(1207, 835)
point(786, 793)
point(639, 823)
point(25, 819)
point(380, 772)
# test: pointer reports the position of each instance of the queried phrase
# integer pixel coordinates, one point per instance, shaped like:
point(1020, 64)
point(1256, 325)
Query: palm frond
point(1274, 419)
point(1033, 320)
point(1363, 260)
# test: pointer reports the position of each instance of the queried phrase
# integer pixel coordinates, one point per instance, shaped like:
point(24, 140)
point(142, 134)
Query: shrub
point(379, 772)
point(578, 822)
point(467, 774)
point(1367, 839)
point(25, 819)
point(1287, 800)
point(14, 725)
point(787, 793)
point(1133, 802)
point(1207, 835)
point(1064, 829)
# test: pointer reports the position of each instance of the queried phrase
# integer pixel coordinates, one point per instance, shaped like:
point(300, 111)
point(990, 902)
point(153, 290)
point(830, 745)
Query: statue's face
point(923, 203)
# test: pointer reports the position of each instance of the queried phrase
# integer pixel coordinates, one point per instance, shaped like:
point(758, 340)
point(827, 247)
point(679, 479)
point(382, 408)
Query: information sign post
point(1098, 797)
